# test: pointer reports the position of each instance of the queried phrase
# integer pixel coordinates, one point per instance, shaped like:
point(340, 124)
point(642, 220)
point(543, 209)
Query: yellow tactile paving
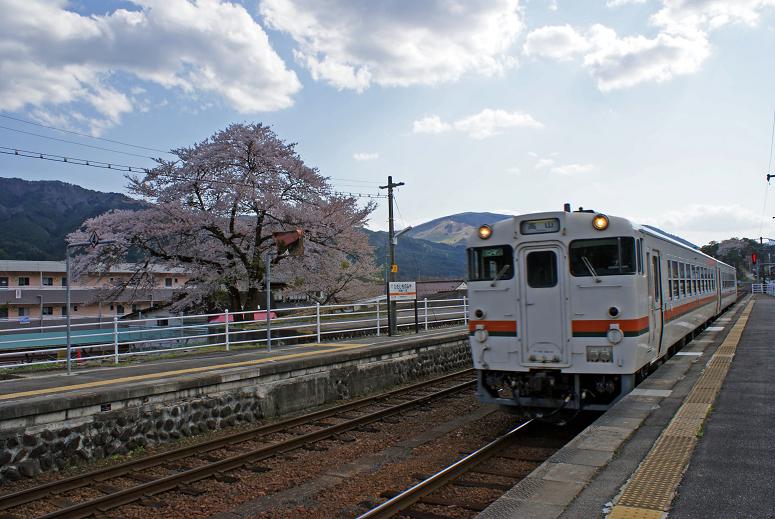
point(163, 374)
point(651, 489)
point(630, 512)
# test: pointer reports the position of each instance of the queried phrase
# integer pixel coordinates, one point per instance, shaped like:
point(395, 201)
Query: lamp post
point(93, 242)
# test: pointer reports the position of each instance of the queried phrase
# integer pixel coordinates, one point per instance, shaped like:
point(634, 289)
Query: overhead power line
point(138, 169)
point(25, 121)
point(74, 142)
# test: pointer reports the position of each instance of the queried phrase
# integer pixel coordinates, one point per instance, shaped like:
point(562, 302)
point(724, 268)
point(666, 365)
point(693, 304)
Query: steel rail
point(409, 497)
point(57, 487)
point(187, 477)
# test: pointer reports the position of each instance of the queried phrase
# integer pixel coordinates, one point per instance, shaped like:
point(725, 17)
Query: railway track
point(467, 486)
point(419, 493)
point(176, 463)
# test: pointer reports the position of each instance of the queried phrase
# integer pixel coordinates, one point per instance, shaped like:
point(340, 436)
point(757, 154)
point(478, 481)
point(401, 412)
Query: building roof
point(59, 267)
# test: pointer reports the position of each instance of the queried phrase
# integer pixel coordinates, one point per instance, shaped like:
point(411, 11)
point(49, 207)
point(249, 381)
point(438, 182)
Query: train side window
point(674, 270)
point(489, 263)
point(639, 254)
point(542, 269)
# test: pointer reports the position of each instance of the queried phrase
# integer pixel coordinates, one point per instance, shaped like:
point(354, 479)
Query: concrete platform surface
point(732, 471)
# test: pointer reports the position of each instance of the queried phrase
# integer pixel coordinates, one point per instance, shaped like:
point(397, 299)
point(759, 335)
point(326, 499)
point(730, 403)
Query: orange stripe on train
point(602, 325)
point(494, 326)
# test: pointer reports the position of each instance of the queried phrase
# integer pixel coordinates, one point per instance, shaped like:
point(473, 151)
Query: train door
point(718, 290)
point(655, 299)
point(543, 305)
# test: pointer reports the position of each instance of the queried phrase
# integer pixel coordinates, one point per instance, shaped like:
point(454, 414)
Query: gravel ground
point(298, 468)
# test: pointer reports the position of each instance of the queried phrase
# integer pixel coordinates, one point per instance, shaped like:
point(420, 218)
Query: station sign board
point(403, 290)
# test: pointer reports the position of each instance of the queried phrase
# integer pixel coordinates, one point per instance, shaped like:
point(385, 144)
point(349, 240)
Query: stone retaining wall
point(84, 431)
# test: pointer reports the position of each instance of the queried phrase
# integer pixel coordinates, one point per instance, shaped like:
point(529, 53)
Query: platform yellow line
point(163, 374)
point(651, 490)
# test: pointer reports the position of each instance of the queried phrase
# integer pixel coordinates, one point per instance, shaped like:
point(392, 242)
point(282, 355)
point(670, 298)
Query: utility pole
point(392, 255)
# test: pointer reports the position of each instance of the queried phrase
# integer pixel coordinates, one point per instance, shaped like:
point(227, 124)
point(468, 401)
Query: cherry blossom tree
point(212, 212)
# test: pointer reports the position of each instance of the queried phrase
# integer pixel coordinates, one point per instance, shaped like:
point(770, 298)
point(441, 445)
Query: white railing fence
point(763, 288)
point(31, 346)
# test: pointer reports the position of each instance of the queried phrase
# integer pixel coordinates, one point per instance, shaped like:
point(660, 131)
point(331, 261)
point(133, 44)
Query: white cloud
point(482, 125)
point(710, 218)
point(619, 3)
point(555, 42)
point(624, 62)
point(678, 16)
point(365, 156)
point(620, 62)
point(430, 124)
point(572, 169)
point(680, 46)
point(543, 163)
point(52, 57)
point(353, 45)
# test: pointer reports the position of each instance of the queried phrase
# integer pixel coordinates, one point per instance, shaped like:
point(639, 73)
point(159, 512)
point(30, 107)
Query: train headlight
point(600, 222)
point(600, 354)
point(481, 334)
point(614, 334)
point(485, 231)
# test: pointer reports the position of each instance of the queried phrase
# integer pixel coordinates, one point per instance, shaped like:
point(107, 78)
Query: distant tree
point(711, 249)
point(212, 214)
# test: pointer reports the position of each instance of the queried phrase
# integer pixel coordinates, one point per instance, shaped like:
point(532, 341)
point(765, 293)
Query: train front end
point(555, 317)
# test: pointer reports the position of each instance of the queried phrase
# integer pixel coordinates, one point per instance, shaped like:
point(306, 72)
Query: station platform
point(696, 439)
point(57, 382)
point(53, 420)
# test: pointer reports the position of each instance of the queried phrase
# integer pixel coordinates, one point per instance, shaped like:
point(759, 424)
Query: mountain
point(420, 259)
point(35, 216)
point(453, 229)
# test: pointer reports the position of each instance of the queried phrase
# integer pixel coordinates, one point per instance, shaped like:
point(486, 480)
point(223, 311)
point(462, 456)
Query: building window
point(47, 310)
point(64, 281)
point(3, 282)
point(75, 308)
point(167, 282)
point(47, 282)
point(4, 312)
point(22, 311)
point(120, 309)
point(24, 281)
point(64, 311)
point(135, 309)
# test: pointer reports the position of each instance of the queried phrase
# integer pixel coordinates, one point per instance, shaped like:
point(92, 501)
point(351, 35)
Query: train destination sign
point(540, 226)
point(403, 290)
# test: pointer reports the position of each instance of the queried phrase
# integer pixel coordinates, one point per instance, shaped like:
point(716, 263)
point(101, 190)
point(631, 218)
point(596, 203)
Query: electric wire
point(73, 132)
point(75, 142)
point(138, 169)
point(769, 168)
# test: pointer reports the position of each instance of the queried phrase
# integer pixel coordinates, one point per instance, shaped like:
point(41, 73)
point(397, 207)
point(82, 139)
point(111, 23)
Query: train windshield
point(490, 263)
point(602, 257)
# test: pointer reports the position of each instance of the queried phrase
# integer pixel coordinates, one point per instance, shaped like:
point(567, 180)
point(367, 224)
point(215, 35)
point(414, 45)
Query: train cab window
point(604, 256)
point(542, 269)
point(490, 263)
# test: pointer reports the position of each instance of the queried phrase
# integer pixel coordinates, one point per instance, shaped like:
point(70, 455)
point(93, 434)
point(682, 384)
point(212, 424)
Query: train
point(571, 309)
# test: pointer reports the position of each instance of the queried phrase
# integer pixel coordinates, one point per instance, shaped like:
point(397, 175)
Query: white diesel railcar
point(571, 309)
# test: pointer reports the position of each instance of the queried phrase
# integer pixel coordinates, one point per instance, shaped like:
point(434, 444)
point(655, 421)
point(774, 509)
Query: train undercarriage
point(541, 391)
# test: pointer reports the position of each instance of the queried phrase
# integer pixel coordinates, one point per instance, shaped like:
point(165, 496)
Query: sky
point(657, 110)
